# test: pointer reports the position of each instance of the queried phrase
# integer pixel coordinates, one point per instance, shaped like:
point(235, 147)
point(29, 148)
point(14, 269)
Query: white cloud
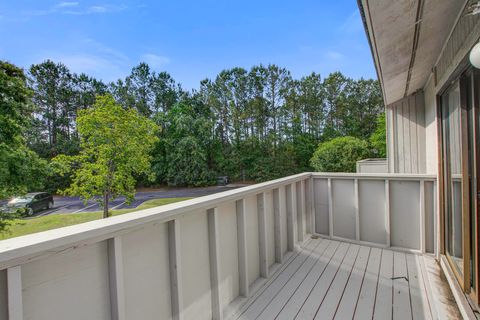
point(90, 57)
point(74, 8)
point(155, 61)
point(97, 66)
point(66, 4)
point(334, 55)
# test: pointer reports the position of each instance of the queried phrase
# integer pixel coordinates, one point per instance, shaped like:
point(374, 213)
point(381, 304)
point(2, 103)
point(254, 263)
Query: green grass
point(22, 227)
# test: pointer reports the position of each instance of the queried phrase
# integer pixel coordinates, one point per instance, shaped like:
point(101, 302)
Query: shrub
point(339, 154)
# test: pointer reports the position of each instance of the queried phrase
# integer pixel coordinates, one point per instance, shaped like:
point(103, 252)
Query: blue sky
point(191, 39)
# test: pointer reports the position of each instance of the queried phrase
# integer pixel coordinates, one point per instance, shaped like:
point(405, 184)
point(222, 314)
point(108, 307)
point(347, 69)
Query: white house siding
point(407, 132)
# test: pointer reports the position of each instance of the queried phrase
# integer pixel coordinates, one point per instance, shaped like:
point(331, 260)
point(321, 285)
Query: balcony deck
point(329, 279)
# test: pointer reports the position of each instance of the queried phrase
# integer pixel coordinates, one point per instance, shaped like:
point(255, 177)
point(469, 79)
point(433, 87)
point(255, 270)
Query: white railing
point(387, 210)
point(201, 258)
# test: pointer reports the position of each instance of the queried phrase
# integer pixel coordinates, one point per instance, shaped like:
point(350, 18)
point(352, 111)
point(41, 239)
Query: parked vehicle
point(31, 202)
point(222, 181)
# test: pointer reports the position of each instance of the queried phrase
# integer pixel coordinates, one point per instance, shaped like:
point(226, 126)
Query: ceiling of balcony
point(407, 37)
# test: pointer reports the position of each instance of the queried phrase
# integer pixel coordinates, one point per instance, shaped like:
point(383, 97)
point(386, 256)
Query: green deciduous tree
point(115, 148)
point(378, 139)
point(20, 168)
point(339, 154)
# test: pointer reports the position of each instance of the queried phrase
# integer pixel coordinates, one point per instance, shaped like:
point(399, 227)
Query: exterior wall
point(372, 166)
point(406, 132)
point(431, 141)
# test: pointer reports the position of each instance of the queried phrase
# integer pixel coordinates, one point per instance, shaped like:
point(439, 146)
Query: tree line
point(253, 125)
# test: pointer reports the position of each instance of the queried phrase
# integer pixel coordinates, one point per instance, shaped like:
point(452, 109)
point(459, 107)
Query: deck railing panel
point(372, 217)
point(146, 272)
point(228, 252)
point(200, 258)
point(384, 210)
point(71, 285)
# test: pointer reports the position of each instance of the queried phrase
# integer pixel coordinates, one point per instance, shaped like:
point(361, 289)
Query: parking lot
point(71, 205)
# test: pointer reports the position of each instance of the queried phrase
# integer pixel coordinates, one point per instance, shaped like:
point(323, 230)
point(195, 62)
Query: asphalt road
point(70, 205)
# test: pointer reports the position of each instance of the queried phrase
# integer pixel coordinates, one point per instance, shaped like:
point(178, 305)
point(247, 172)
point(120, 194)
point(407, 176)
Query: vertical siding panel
point(406, 140)
point(413, 134)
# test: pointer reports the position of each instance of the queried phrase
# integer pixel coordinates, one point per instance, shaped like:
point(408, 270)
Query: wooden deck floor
point(335, 280)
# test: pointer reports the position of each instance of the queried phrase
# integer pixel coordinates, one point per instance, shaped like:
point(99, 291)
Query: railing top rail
point(21, 249)
point(375, 176)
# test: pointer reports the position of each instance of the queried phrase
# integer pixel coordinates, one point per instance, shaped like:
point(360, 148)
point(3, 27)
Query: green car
point(31, 202)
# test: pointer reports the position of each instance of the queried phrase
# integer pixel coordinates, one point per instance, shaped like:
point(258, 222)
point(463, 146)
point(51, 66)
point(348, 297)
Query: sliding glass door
point(460, 155)
point(452, 153)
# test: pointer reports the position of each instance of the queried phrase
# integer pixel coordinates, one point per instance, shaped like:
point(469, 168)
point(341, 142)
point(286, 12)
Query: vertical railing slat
point(175, 269)
point(290, 218)
point(262, 235)
point(330, 207)
point(387, 211)
point(357, 210)
point(423, 232)
point(14, 295)
point(116, 277)
point(242, 248)
point(301, 210)
point(312, 205)
point(214, 251)
point(293, 188)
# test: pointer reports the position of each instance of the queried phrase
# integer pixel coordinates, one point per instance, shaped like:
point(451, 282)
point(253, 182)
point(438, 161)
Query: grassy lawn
point(22, 227)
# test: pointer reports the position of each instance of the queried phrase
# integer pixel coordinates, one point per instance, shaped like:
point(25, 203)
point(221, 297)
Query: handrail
point(379, 176)
point(24, 247)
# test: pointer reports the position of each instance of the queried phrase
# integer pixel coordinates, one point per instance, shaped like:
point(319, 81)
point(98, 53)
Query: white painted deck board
point(419, 298)
point(276, 305)
point(310, 307)
point(384, 299)
point(267, 295)
point(330, 279)
point(329, 304)
point(346, 308)
point(292, 307)
point(402, 308)
point(366, 300)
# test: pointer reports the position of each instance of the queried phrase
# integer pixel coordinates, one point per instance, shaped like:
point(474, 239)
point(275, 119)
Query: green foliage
point(339, 154)
point(115, 147)
point(181, 158)
point(21, 169)
point(255, 124)
point(378, 139)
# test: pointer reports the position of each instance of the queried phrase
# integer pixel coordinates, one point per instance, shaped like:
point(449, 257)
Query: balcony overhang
point(406, 38)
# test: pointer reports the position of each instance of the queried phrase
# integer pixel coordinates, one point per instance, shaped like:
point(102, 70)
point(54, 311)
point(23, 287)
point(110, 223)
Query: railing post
point(330, 207)
point(357, 210)
point(15, 297)
point(312, 206)
point(290, 218)
point(293, 187)
point(301, 210)
point(242, 247)
point(387, 211)
point(214, 251)
point(116, 277)
point(175, 269)
point(262, 234)
point(422, 217)
point(277, 226)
